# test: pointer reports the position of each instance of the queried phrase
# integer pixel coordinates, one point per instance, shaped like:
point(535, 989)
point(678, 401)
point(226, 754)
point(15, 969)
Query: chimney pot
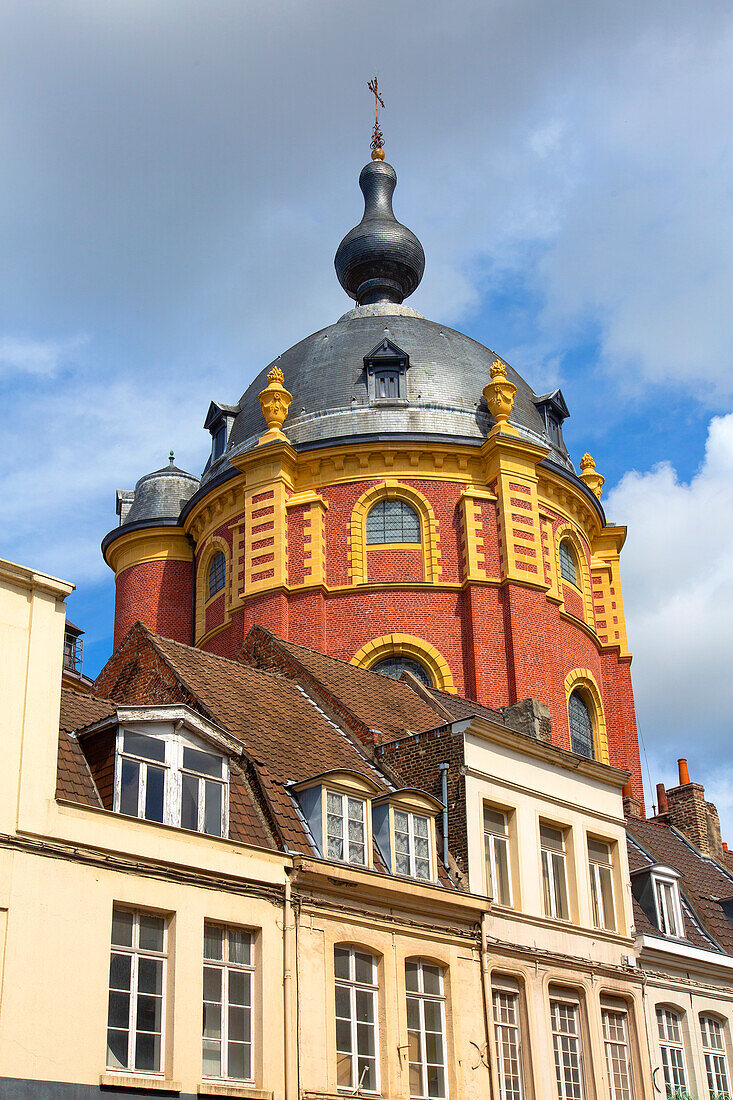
point(725, 846)
point(683, 772)
point(662, 805)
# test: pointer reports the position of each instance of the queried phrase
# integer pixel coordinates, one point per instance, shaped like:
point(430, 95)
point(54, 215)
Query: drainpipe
point(444, 790)
point(290, 1033)
point(487, 1000)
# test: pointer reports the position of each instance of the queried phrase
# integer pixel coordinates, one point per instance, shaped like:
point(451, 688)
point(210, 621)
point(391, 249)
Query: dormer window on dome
point(386, 369)
point(553, 410)
point(219, 420)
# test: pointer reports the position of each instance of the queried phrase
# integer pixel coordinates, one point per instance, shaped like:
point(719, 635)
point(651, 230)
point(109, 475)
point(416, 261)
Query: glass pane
point(212, 808)
point(120, 969)
point(238, 1059)
point(365, 1040)
point(432, 979)
point(420, 825)
point(212, 984)
point(609, 917)
point(334, 825)
point(433, 1016)
point(343, 1002)
point(599, 851)
point(400, 821)
point(239, 993)
point(213, 941)
point(147, 1052)
point(189, 802)
point(150, 976)
point(364, 1007)
point(205, 763)
point(151, 748)
point(356, 831)
point(118, 1013)
point(502, 872)
point(413, 1013)
point(341, 962)
point(434, 1048)
point(356, 809)
point(343, 1035)
point(411, 975)
point(154, 794)
point(117, 1042)
point(343, 1071)
point(236, 1023)
point(367, 1070)
point(561, 893)
point(212, 1021)
point(148, 1013)
point(364, 968)
point(151, 933)
point(335, 848)
point(357, 854)
point(121, 928)
point(494, 821)
point(240, 947)
point(402, 864)
point(551, 838)
point(129, 787)
point(436, 1085)
point(212, 1059)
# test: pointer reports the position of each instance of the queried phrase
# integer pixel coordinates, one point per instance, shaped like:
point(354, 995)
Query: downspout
point(289, 1008)
point(488, 1006)
point(444, 792)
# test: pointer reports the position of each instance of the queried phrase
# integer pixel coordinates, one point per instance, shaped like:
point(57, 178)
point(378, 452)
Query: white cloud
point(677, 572)
point(35, 357)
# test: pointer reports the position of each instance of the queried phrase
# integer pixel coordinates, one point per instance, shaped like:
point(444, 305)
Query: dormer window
point(404, 829)
point(345, 828)
point(335, 806)
point(219, 442)
point(219, 420)
point(553, 410)
point(412, 845)
point(386, 370)
point(171, 778)
point(669, 910)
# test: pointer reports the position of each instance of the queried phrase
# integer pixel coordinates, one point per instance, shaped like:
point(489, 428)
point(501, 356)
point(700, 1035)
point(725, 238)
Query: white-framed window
point(600, 866)
point(567, 1049)
point(669, 909)
point(496, 856)
point(671, 1045)
point(228, 997)
point(346, 828)
point(170, 779)
point(618, 1052)
point(136, 1008)
point(426, 1030)
point(554, 872)
point(357, 1034)
point(568, 563)
point(712, 1031)
point(508, 1038)
point(412, 848)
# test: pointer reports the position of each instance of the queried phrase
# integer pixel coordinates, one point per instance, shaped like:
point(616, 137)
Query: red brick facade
point(160, 594)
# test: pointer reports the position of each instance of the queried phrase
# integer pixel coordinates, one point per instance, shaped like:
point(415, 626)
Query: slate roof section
point(703, 880)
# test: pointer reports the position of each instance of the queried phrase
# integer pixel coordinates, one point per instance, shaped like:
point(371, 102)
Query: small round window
point(392, 521)
point(581, 726)
point(395, 666)
point(568, 563)
point(217, 573)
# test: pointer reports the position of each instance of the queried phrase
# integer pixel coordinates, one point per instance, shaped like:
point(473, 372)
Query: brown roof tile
point(79, 710)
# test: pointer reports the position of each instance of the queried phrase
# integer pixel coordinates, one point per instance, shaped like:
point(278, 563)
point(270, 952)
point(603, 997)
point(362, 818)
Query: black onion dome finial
point(379, 260)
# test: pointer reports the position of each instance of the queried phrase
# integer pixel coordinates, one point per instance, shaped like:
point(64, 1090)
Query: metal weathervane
point(377, 137)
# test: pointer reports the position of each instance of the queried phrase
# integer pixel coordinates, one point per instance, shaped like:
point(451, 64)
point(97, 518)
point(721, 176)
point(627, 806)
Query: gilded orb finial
point(377, 137)
point(499, 395)
point(274, 402)
point(590, 477)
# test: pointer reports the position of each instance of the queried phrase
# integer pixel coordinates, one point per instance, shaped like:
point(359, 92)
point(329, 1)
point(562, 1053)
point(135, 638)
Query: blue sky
point(174, 182)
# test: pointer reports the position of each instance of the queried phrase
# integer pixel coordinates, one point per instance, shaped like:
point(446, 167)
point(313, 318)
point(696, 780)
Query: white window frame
point(508, 1037)
point(345, 799)
point(668, 906)
point(621, 1048)
point(715, 1054)
point(547, 859)
point(491, 840)
point(370, 989)
point(567, 1045)
point(173, 770)
point(136, 953)
point(225, 966)
point(420, 997)
point(671, 1035)
point(595, 868)
point(411, 835)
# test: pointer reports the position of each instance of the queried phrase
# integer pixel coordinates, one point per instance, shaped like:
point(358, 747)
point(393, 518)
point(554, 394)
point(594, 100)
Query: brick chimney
point(684, 806)
point(632, 806)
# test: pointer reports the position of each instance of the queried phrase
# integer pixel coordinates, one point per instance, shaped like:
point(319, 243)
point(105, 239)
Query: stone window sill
point(219, 1088)
point(141, 1084)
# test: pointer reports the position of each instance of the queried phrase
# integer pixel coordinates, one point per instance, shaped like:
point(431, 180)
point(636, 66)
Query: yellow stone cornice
point(148, 544)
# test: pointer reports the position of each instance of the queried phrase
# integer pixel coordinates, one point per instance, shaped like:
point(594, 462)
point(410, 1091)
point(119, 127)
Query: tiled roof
point(73, 779)
point(384, 705)
point(464, 708)
point(79, 710)
point(703, 881)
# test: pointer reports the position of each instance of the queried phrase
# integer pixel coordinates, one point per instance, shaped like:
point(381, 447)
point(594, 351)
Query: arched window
point(426, 1028)
point(395, 666)
point(671, 1045)
point(568, 562)
point(581, 726)
point(392, 521)
point(217, 573)
point(357, 1038)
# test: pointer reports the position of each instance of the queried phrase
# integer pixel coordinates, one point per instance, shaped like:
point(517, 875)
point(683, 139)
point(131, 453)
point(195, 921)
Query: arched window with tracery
point(392, 521)
point(217, 573)
point(395, 666)
point(581, 726)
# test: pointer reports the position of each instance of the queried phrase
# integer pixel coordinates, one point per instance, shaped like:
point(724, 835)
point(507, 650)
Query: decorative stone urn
point(275, 402)
point(499, 396)
point(588, 474)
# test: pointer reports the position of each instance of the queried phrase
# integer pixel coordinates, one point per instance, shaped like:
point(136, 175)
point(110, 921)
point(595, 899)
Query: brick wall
point(159, 593)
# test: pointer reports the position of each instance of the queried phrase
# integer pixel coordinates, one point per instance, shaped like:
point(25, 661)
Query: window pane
point(129, 787)
point(581, 726)
point(212, 1021)
point(412, 975)
point(568, 568)
point(551, 839)
point(139, 744)
point(120, 970)
point(154, 794)
point(238, 1058)
point(213, 941)
point(211, 1059)
point(122, 927)
point(117, 1045)
point(217, 574)
point(150, 976)
point(147, 1052)
point(341, 962)
point(503, 893)
point(205, 763)
point(561, 892)
point(599, 851)
point(240, 946)
point(151, 932)
point(609, 917)
point(189, 802)
point(239, 981)
point(364, 965)
point(494, 821)
point(118, 1010)
point(212, 984)
point(148, 1013)
point(213, 808)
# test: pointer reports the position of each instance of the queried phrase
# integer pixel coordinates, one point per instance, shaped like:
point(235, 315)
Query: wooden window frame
point(371, 989)
point(226, 967)
point(421, 997)
point(345, 799)
point(596, 893)
point(411, 815)
point(135, 953)
point(490, 840)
